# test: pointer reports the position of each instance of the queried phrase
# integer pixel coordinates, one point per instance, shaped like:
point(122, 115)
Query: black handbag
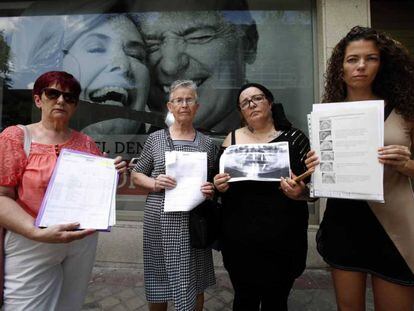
point(204, 224)
point(204, 219)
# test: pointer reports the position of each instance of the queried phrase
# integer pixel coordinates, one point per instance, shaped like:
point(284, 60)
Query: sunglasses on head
point(52, 94)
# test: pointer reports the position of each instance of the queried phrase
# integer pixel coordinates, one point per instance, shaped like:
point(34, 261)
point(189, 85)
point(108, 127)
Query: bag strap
point(233, 137)
point(169, 140)
point(27, 141)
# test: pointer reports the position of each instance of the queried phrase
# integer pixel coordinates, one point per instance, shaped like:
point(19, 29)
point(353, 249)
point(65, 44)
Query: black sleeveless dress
point(264, 233)
point(351, 238)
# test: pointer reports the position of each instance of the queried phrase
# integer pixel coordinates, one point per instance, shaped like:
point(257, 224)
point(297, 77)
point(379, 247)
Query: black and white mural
point(126, 54)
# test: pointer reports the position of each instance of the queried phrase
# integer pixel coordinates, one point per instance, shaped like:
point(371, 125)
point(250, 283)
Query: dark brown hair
point(278, 113)
point(394, 81)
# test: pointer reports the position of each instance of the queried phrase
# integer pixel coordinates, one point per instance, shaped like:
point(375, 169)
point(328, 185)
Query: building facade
point(126, 53)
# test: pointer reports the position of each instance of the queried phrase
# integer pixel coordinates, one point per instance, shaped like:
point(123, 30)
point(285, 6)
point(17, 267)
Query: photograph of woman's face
point(109, 61)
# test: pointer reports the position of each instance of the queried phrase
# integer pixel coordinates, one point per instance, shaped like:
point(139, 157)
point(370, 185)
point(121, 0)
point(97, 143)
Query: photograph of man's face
point(206, 47)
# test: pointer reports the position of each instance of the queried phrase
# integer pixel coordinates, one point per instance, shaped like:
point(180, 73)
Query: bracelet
point(155, 185)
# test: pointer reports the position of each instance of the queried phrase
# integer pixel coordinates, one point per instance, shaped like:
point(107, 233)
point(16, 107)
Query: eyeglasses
point(54, 94)
point(181, 101)
point(255, 99)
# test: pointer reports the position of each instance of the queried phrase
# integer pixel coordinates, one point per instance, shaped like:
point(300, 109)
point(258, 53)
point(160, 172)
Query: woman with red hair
point(45, 269)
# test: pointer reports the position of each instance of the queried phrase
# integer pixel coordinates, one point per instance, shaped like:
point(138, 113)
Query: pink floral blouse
point(30, 176)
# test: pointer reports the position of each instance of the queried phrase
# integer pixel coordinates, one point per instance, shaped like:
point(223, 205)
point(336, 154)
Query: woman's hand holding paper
point(312, 160)
point(208, 190)
point(162, 182)
point(221, 182)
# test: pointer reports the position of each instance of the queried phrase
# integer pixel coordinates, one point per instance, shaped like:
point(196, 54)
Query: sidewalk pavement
point(122, 289)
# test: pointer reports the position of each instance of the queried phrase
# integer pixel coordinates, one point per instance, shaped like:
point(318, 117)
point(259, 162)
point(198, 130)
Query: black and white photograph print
point(262, 162)
point(326, 166)
point(327, 156)
point(326, 144)
point(325, 125)
point(328, 178)
point(325, 135)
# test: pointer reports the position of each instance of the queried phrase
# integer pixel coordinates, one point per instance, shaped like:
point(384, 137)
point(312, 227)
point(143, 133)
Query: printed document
point(82, 189)
point(190, 171)
point(346, 137)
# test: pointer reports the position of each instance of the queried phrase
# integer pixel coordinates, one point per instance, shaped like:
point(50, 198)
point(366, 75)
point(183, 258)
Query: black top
point(262, 227)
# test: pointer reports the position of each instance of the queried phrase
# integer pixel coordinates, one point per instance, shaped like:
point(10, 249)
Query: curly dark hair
point(394, 81)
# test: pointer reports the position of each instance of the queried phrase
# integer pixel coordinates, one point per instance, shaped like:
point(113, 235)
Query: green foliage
point(4, 54)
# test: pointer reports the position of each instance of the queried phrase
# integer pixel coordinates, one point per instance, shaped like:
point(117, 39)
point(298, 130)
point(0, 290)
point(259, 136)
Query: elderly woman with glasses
point(174, 271)
point(264, 224)
point(45, 269)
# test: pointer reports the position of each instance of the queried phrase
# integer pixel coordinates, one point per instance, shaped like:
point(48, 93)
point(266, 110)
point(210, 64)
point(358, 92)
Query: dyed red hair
point(63, 79)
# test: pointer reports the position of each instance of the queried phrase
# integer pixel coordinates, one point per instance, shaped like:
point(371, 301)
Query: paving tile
point(126, 294)
point(91, 307)
point(119, 307)
point(303, 283)
point(109, 302)
point(207, 295)
point(320, 279)
point(225, 295)
point(312, 300)
point(123, 290)
point(135, 303)
point(90, 298)
point(214, 304)
point(103, 293)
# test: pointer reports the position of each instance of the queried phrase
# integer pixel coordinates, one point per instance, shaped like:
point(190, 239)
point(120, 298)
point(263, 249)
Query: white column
point(334, 18)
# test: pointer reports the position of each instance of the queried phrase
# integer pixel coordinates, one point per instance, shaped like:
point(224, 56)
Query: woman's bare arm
point(153, 184)
point(13, 217)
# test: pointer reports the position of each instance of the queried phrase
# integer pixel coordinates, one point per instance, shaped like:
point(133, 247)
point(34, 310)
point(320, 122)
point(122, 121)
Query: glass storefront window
point(126, 53)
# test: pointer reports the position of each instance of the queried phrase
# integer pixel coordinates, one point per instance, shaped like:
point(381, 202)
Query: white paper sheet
point(82, 189)
point(262, 162)
point(190, 171)
point(346, 137)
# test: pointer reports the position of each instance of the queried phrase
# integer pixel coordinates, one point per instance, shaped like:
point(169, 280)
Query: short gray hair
point(189, 84)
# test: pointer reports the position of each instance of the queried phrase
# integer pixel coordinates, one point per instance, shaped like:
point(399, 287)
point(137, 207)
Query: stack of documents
point(346, 137)
point(82, 189)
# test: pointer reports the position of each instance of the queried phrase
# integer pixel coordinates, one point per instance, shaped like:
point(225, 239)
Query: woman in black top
point(264, 229)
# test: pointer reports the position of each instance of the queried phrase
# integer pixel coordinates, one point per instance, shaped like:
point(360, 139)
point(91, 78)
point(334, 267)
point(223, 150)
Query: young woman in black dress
point(357, 238)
